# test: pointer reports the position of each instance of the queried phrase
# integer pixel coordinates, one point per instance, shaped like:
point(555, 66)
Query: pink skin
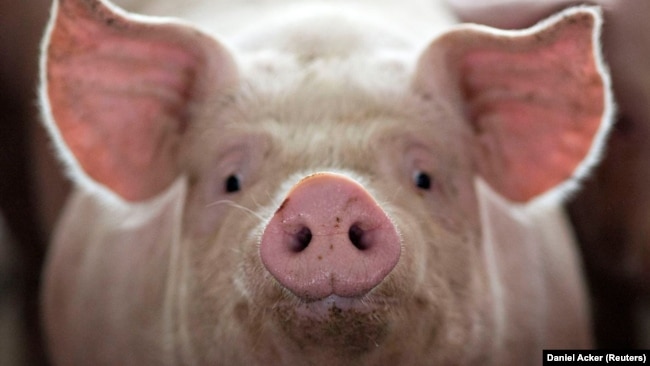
point(329, 237)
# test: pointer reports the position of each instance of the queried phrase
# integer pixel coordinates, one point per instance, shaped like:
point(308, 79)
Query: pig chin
point(350, 326)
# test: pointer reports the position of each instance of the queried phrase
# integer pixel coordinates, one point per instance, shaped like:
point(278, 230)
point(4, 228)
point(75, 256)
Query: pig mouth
point(349, 325)
point(324, 308)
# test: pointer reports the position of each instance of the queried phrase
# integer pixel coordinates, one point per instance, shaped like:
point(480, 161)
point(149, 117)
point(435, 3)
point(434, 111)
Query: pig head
point(361, 202)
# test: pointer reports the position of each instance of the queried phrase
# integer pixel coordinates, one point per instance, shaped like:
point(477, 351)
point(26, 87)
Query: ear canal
point(537, 100)
point(119, 93)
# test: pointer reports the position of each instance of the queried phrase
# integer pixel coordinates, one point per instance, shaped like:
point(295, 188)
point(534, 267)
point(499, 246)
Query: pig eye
point(232, 184)
point(422, 180)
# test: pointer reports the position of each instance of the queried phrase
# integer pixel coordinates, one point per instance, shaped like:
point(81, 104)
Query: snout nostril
point(301, 240)
point(356, 237)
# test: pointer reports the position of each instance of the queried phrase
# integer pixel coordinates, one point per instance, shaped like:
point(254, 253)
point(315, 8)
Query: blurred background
point(22, 232)
point(611, 215)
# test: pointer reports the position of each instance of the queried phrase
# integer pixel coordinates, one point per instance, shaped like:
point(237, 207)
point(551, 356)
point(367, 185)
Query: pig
point(317, 183)
point(611, 212)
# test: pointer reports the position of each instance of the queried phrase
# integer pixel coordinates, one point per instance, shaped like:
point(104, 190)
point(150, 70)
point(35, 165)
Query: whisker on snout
point(236, 205)
point(257, 204)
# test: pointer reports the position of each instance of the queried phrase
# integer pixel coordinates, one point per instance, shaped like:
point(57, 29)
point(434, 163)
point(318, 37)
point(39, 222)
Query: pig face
point(292, 175)
point(240, 208)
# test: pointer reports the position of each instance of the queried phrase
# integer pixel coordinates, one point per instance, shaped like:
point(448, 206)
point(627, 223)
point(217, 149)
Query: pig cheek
point(229, 282)
point(217, 310)
point(441, 266)
point(214, 299)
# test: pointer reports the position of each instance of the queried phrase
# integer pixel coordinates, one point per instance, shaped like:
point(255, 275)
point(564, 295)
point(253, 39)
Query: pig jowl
point(305, 195)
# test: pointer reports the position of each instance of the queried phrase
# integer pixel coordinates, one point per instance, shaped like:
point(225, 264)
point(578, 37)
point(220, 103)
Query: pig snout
point(329, 237)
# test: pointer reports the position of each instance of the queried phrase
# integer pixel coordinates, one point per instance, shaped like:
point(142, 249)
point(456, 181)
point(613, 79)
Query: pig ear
point(538, 100)
point(118, 92)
